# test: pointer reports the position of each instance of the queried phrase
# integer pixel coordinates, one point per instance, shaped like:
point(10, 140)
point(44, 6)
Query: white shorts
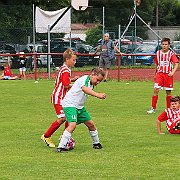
point(7, 77)
point(22, 69)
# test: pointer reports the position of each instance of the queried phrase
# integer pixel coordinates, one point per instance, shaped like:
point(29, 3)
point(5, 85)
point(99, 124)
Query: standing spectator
point(6, 71)
point(107, 54)
point(62, 84)
point(22, 65)
point(164, 72)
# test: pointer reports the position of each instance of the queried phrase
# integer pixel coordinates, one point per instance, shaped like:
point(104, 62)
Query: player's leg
point(84, 117)
point(168, 87)
point(24, 73)
point(94, 134)
point(20, 73)
point(46, 137)
point(157, 86)
point(71, 116)
point(168, 97)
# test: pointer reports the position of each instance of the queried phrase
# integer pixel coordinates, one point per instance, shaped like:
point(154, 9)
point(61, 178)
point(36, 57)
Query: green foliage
point(16, 16)
point(93, 35)
point(168, 12)
point(132, 149)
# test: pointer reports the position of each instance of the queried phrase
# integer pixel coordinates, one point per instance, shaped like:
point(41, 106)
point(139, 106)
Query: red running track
point(125, 74)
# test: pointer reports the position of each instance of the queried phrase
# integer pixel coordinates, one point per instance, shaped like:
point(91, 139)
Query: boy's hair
point(97, 71)
point(166, 39)
point(175, 99)
point(68, 54)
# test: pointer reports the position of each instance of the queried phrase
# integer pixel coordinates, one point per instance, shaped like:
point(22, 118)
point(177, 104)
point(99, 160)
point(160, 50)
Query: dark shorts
point(105, 62)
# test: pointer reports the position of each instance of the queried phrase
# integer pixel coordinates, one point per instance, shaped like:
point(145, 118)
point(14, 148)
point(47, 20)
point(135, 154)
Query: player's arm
point(162, 117)
point(9, 61)
point(66, 81)
point(174, 70)
point(175, 60)
point(159, 127)
point(2, 76)
point(89, 91)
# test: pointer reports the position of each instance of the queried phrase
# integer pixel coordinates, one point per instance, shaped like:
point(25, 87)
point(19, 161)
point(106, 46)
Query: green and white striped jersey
point(75, 97)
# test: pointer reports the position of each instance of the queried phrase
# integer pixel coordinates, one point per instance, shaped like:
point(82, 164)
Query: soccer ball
point(71, 144)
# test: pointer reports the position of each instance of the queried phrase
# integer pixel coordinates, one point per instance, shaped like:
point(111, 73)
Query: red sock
point(66, 125)
point(168, 101)
point(154, 101)
point(54, 126)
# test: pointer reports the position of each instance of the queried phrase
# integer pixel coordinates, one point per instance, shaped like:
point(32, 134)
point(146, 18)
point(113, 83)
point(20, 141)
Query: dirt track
point(125, 74)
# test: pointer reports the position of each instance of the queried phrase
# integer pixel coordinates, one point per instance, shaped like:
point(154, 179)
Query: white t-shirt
point(75, 97)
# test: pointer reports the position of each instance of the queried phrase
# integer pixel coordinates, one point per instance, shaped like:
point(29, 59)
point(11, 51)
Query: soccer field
point(132, 149)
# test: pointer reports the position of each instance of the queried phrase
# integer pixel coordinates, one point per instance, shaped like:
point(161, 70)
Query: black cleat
point(97, 146)
point(61, 150)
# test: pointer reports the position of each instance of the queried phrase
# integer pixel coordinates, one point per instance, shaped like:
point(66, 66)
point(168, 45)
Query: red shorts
point(59, 110)
point(164, 81)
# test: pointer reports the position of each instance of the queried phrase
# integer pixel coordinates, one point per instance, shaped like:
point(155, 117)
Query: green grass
point(132, 147)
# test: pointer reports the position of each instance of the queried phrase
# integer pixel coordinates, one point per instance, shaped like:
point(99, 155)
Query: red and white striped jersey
point(164, 61)
point(62, 80)
point(171, 117)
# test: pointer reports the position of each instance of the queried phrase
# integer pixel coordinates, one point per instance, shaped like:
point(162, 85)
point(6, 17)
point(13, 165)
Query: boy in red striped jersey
point(62, 84)
point(171, 116)
point(164, 61)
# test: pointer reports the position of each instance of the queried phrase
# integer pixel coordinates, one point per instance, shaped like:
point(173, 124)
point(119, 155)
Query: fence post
point(35, 67)
point(118, 62)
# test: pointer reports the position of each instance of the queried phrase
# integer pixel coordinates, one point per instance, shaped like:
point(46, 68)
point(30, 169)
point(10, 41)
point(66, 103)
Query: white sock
point(64, 140)
point(94, 136)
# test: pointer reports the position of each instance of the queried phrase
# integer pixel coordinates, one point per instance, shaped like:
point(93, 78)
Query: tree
point(94, 35)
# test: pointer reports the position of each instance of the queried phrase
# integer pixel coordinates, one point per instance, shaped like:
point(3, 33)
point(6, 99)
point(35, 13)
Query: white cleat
point(151, 111)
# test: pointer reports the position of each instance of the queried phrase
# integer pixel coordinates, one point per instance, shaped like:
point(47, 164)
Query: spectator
point(6, 71)
point(22, 65)
point(107, 54)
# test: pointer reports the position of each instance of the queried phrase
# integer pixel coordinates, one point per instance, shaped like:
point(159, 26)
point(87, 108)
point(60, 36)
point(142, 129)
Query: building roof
point(79, 26)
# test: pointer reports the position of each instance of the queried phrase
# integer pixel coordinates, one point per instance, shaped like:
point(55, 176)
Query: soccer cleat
point(48, 141)
point(97, 146)
point(61, 150)
point(151, 111)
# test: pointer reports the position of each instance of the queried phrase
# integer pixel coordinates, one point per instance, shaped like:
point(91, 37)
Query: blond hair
point(68, 54)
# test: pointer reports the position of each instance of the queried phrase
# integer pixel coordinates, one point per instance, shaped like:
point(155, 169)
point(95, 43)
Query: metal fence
point(117, 71)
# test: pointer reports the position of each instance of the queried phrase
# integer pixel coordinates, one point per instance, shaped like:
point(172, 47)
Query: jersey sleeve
point(174, 59)
point(155, 60)
point(163, 117)
point(84, 81)
point(66, 79)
